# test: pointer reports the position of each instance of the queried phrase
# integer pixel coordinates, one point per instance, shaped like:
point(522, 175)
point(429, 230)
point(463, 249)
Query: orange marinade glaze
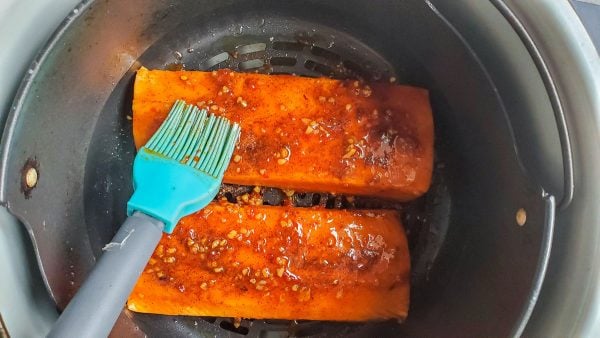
point(279, 262)
point(308, 134)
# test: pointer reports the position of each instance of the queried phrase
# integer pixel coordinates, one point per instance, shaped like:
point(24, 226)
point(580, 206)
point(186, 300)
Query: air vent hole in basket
point(327, 54)
point(251, 64)
point(319, 68)
point(283, 61)
point(290, 46)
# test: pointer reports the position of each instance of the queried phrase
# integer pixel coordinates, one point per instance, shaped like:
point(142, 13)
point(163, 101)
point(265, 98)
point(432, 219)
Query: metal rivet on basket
point(521, 217)
point(30, 176)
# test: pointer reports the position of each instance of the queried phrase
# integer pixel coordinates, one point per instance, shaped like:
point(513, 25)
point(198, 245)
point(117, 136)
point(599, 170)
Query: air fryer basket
point(473, 268)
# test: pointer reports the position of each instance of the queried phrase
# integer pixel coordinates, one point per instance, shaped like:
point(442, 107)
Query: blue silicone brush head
point(180, 169)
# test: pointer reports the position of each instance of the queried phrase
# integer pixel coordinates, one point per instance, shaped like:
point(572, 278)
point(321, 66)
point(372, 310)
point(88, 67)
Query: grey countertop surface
point(589, 13)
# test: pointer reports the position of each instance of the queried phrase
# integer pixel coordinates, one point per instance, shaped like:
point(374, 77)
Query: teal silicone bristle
point(192, 137)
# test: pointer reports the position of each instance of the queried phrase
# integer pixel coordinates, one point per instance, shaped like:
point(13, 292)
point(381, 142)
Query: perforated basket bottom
point(284, 45)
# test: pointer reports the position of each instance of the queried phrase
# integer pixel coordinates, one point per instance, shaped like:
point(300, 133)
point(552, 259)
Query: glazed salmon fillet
point(232, 260)
point(307, 134)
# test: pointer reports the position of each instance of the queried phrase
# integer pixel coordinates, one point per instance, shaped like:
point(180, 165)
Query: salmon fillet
point(307, 134)
point(231, 260)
